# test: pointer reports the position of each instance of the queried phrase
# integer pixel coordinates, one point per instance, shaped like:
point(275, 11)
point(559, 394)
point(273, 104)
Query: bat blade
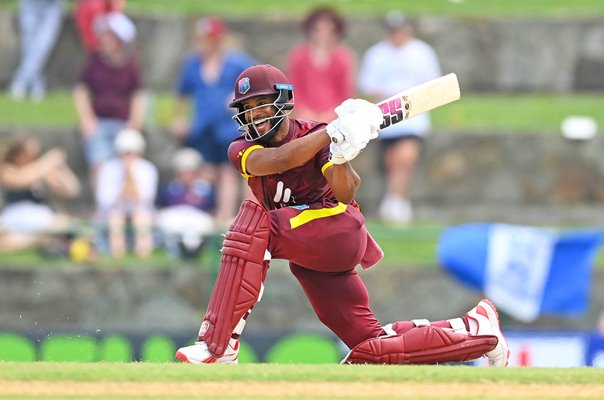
point(419, 99)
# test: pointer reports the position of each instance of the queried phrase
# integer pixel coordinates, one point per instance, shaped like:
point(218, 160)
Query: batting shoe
point(484, 320)
point(199, 354)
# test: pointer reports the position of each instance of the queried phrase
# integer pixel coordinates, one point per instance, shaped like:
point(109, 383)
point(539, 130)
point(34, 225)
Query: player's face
point(259, 111)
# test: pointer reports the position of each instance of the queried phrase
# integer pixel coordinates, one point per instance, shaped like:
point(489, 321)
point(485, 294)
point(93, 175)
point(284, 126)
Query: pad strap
point(239, 283)
point(458, 325)
point(422, 345)
point(389, 330)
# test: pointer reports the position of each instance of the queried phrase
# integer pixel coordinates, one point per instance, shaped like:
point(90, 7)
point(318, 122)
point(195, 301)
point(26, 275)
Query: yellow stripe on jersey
point(246, 153)
point(310, 215)
point(327, 165)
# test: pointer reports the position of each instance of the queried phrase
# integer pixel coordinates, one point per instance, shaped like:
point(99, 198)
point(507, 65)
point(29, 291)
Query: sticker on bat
point(395, 111)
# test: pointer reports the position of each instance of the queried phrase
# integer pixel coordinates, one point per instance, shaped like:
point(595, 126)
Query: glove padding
point(351, 128)
point(342, 152)
point(371, 112)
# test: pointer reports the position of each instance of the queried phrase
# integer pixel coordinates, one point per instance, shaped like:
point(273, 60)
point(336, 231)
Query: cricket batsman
point(305, 213)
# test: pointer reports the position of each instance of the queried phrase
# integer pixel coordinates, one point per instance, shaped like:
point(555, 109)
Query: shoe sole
point(493, 315)
point(212, 360)
point(182, 357)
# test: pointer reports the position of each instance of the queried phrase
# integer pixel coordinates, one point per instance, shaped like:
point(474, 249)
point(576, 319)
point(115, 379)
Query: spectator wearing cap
point(85, 13)
point(108, 95)
point(186, 204)
point(398, 62)
point(321, 68)
point(205, 83)
point(125, 193)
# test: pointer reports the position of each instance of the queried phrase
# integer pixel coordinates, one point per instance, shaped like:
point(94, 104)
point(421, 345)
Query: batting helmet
point(263, 80)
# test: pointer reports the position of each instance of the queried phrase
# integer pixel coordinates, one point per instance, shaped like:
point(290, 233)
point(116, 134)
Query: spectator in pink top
point(321, 69)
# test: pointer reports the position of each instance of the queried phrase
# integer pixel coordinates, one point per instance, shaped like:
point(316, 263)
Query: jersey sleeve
point(239, 150)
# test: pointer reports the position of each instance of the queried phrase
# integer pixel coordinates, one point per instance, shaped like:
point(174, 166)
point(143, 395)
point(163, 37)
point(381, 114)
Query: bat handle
point(337, 137)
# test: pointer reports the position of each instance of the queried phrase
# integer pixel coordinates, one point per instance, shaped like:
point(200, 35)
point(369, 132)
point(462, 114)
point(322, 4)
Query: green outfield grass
point(162, 372)
point(263, 381)
point(474, 113)
point(467, 8)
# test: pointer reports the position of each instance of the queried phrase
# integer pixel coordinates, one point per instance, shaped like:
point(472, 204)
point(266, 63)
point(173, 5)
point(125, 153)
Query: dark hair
point(318, 13)
point(15, 148)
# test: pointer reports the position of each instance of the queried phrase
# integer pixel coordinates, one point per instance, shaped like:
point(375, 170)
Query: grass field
point(274, 381)
point(468, 8)
point(412, 246)
point(475, 113)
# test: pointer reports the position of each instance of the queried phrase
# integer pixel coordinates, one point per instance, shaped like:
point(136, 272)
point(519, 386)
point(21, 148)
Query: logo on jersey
point(301, 207)
point(244, 85)
point(282, 194)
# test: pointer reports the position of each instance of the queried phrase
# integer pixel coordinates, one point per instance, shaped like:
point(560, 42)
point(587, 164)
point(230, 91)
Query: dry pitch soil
point(295, 390)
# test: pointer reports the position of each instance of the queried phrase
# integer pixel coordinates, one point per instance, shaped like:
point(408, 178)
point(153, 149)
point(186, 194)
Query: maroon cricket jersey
point(305, 184)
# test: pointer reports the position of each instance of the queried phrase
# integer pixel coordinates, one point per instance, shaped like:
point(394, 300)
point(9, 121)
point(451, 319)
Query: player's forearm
point(273, 160)
point(344, 182)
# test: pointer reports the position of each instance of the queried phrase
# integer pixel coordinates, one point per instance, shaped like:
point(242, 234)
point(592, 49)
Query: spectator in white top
point(399, 62)
point(125, 192)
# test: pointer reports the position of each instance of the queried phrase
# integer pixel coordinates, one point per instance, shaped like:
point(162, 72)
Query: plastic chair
point(115, 348)
point(304, 349)
point(66, 347)
point(158, 348)
point(14, 347)
point(247, 355)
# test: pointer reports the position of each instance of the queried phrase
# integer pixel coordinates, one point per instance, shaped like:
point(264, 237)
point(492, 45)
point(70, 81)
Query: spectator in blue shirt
point(206, 80)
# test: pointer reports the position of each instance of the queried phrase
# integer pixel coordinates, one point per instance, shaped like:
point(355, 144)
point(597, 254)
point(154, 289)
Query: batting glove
point(342, 152)
point(365, 112)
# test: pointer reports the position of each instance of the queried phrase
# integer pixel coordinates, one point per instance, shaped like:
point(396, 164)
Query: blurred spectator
point(321, 69)
point(108, 96)
point(206, 78)
point(39, 25)
point(186, 203)
point(125, 195)
point(86, 11)
point(28, 180)
point(399, 62)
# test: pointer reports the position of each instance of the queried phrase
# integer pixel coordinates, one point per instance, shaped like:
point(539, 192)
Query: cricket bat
point(418, 99)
